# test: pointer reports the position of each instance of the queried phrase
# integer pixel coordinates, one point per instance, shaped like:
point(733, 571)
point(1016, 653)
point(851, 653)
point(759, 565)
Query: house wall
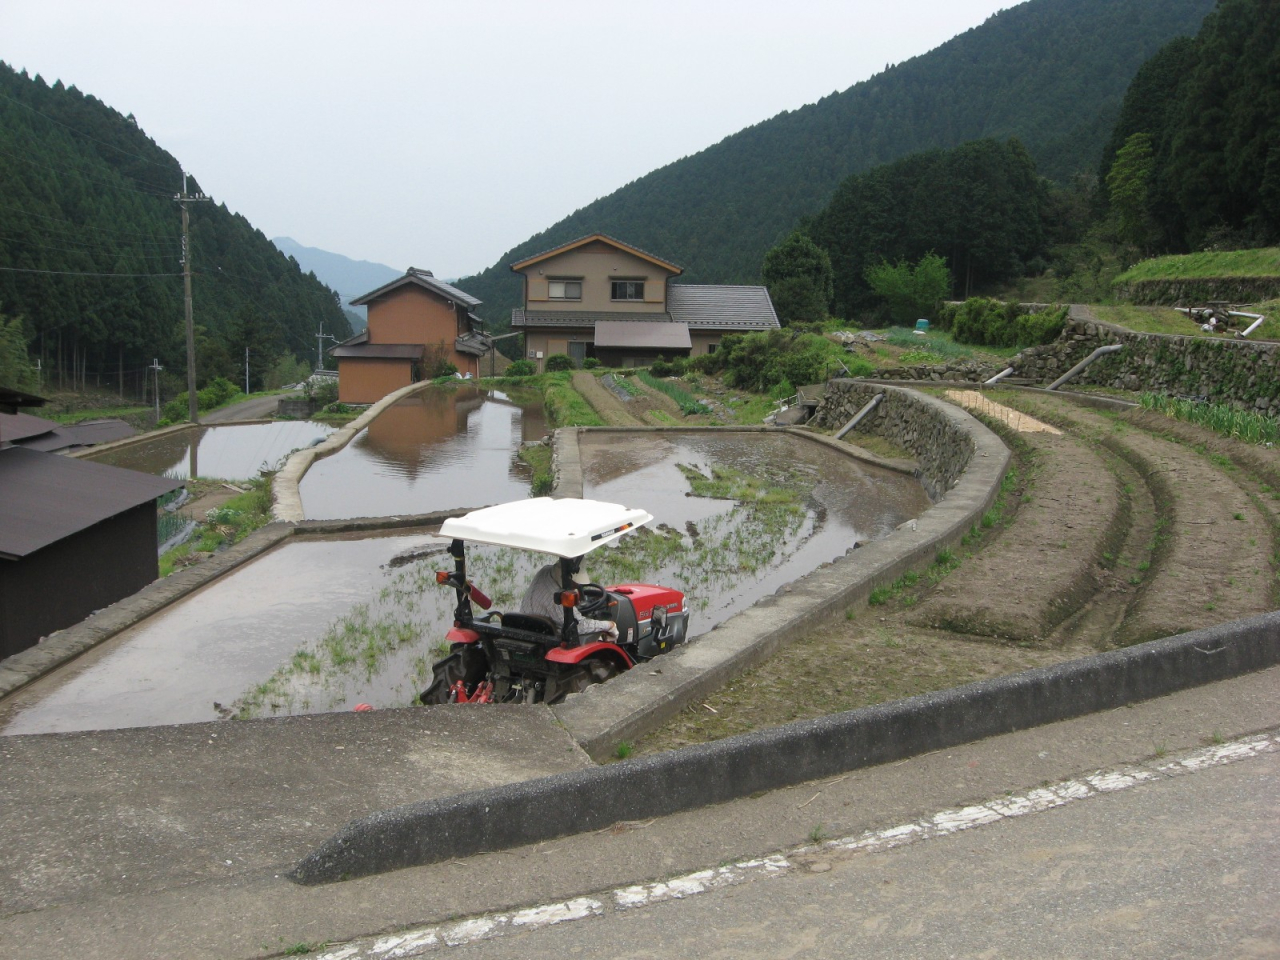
point(597, 264)
point(410, 314)
point(368, 380)
point(66, 581)
point(703, 341)
point(556, 340)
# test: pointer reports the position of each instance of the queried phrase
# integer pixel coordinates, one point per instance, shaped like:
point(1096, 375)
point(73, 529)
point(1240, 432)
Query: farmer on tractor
point(541, 600)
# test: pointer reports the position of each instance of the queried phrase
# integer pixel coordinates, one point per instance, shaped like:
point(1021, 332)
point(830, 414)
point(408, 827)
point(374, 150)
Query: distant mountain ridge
point(351, 278)
point(91, 248)
point(1050, 72)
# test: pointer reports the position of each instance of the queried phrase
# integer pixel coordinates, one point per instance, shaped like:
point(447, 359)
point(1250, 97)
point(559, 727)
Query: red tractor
point(527, 658)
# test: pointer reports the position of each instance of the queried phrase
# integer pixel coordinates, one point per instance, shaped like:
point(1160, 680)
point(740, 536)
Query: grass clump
point(565, 406)
point(1243, 425)
point(538, 457)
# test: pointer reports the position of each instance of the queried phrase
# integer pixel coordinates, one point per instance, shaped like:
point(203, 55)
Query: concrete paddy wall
point(961, 463)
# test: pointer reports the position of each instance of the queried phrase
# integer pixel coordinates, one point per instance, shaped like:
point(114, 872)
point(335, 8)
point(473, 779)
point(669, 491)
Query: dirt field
point(1124, 528)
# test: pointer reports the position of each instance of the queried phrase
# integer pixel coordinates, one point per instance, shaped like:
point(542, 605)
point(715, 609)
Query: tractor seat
point(530, 622)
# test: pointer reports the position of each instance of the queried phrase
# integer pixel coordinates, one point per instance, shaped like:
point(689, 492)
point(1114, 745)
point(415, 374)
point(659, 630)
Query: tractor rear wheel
point(594, 670)
point(465, 663)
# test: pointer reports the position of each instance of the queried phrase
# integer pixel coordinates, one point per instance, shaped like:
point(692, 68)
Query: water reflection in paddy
point(231, 452)
point(318, 626)
point(440, 449)
point(207, 650)
point(844, 502)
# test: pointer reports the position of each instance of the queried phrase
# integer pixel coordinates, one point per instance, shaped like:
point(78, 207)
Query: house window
point(564, 289)
point(628, 290)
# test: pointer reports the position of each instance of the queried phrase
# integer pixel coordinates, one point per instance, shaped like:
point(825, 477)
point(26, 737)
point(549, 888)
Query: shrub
point(669, 368)
point(558, 362)
point(994, 324)
point(286, 371)
point(761, 361)
point(522, 368)
point(324, 390)
point(217, 392)
point(591, 363)
point(910, 291)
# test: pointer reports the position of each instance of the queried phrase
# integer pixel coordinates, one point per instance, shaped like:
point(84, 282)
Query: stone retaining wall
point(1243, 373)
point(1188, 291)
point(943, 448)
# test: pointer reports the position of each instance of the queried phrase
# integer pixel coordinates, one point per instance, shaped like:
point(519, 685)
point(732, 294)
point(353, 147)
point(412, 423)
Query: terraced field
point(1122, 528)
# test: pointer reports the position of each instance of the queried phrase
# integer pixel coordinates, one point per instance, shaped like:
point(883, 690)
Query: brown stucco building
point(600, 297)
point(75, 537)
point(414, 322)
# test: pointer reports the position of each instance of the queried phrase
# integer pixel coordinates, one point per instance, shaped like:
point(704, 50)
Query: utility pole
point(193, 407)
point(246, 370)
point(321, 337)
point(155, 365)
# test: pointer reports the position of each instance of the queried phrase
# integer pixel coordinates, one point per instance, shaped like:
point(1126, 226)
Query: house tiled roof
point(622, 244)
point(700, 306)
point(721, 307)
point(422, 278)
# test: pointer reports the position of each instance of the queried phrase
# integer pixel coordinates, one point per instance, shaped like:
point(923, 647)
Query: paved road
point(1181, 867)
point(169, 851)
point(256, 409)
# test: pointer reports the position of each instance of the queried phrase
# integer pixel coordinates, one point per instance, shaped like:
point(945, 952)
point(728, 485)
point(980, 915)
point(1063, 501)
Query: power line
point(98, 250)
point(85, 226)
point(81, 133)
point(153, 192)
point(84, 273)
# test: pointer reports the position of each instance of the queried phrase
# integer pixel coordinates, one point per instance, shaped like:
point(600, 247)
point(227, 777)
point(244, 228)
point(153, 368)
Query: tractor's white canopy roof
point(566, 528)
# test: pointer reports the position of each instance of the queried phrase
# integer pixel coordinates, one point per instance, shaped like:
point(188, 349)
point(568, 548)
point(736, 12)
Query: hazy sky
point(439, 135)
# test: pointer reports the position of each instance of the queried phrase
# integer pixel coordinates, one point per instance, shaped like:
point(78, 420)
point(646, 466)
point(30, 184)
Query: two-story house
point(415, 322)
point(600, 297)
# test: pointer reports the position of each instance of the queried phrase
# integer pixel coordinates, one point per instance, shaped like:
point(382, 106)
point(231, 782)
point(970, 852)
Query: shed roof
point(11, 400)
point(48, 498)
point(425, 279)
point(23, 426)
point(722, 306)
point(662, 334)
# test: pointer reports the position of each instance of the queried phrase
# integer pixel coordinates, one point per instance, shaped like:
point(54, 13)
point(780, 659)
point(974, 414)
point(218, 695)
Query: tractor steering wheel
point(594, 599)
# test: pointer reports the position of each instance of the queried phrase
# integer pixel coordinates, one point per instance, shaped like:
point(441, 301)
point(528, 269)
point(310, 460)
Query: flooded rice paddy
point(323, 625)
point(231, 452)
point(437, 450)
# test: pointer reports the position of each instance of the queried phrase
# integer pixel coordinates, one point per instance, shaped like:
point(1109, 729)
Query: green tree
point(16, 369)
point(911, 292)
point(798, 274)
point(1128, 186)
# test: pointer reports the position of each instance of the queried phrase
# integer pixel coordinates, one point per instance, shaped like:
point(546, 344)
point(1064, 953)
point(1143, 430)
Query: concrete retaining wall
point(537, 810)
point(943, 446)
point(286, 500)
point(639, 701)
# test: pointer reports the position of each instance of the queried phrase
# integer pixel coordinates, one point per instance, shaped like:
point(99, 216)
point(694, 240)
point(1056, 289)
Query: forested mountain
point(90, 252)
point(979, 206)
point(1199, 133)
point(351, 278)
point(1050, 72)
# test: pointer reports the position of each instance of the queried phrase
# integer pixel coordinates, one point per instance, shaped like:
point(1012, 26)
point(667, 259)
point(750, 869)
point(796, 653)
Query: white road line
point(415, 943)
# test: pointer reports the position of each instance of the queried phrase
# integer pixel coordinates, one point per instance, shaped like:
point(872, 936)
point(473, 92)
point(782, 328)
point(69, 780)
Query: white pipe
point(998, 377)
point(1257, 321)
point(1101, 351)
point(857, 417)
